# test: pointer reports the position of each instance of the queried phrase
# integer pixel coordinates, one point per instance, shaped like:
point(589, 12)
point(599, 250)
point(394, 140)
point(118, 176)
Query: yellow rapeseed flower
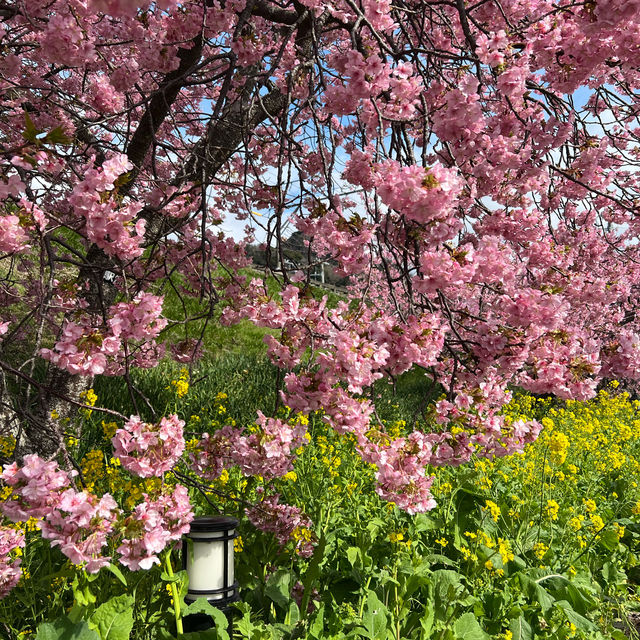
point(558, 447)
point(551, 510)
point(493, 509)
point(109, 429)
point(181, 384)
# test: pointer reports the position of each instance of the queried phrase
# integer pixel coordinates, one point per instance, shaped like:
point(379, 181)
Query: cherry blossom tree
point(471, 166)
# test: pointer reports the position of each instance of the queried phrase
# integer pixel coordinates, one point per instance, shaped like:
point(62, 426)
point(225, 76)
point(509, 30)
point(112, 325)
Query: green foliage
point(543, 545)
point(64, 629)
point(113, 620)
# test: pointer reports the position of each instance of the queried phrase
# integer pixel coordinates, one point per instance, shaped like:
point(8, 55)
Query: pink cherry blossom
point(149, 449)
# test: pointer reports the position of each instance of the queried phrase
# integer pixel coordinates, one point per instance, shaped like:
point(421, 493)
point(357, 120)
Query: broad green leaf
point(64, 629)
point(278, 587)
point(293, 615)
point(426, 622)
point(424, 522)
point(114, 618)
point(201, 605)
point(574, 617)
point(611, 573)
point(520, 629)
point(446, 588)
point(438, 558)
point(221, 624)
point(245, 626)
point(562, 589)
point(374, 618)
point(467, 628)
point(537, 593)
point(374, 526)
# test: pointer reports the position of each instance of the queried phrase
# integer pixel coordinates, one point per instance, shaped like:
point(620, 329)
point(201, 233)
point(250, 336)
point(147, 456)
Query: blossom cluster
point(149, 449)
point(400, 472)
point(287, 522)
point(83, 348)
point(84, 525)
point(108, 224)
point(10, 540)
point(76, 521)
point(267, 452)
point(152, 525)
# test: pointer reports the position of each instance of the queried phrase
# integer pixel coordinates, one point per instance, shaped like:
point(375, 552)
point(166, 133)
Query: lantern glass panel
point(205, 561)
point(207, 556)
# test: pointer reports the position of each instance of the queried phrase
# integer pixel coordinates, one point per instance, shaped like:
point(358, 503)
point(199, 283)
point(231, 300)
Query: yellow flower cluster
point(90, 398)
point(181, 384)
point(572, 491)
point(109, 429)
point(7, 446)
point(493, 509)
point(397, 537)
point(558, 446)
point(551, 510)
point(92, 467)
point(540, 549)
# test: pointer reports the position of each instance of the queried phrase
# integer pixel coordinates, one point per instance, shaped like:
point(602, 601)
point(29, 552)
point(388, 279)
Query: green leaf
point(354, 556)
point(278, 587)
point(611, 573)
point(467, 628)
point(114, 618)
point(293, 615)
point(446, 589)
point(64, 629)
point(520, 629)
point(221, 623)
point(574, 617)
point(374, 618)
point(165, 577)
point(438, 558)
point(117, 573)
point(30, 133)
point(580, 600)
point(245, 626)
point(427, 620)
point(537, 593)
point(609, 540)
point(424, 522)
point(316, 628)
point(202, 605)
point(57, 136)
point(312, 573)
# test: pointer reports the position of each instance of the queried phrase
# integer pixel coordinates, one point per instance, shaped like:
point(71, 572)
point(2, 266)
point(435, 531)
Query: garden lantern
point(207, 556)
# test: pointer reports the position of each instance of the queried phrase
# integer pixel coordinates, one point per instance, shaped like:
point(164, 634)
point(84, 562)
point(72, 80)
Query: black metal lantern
point(208, 557)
